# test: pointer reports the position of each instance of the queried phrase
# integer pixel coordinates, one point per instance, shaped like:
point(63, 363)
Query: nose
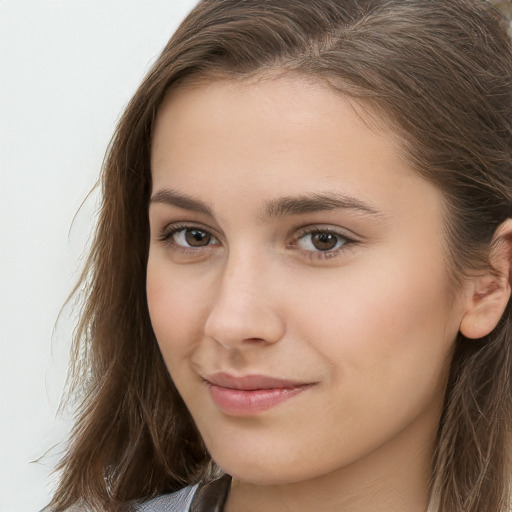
point(244, 309)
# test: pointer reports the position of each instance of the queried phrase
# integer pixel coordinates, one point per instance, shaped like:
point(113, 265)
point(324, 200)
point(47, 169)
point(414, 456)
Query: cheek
point(384, 326)
point(176, 310)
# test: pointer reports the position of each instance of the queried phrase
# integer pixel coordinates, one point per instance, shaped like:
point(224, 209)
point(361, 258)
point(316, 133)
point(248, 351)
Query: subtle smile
point(248, 395)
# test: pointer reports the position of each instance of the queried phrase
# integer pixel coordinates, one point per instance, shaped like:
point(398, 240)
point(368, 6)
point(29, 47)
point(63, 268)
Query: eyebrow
point(317, 202)
point(276, 208)
point(174, 198)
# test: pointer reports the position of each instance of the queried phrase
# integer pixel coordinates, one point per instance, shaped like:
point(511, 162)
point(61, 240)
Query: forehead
point(276, 136)
point(291, 106)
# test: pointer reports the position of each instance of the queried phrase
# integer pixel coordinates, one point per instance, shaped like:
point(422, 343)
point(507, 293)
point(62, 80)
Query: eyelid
point(326, 228)
point(350, 239)
point(166, 233)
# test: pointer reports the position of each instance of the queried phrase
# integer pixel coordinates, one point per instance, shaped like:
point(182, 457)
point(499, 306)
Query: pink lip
point(251, 394)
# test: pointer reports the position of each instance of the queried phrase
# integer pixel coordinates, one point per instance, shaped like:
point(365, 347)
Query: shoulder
point(176, 502)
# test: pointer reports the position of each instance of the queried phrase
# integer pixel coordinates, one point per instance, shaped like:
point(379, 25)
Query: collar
point(211, 496)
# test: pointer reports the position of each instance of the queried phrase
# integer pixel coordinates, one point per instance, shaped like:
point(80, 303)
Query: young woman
point(298, 297)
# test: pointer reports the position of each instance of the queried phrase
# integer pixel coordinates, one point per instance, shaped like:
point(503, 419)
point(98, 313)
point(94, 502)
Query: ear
point(489, 291)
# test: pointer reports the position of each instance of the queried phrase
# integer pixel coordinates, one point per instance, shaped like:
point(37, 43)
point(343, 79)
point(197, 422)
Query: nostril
point(259, 327)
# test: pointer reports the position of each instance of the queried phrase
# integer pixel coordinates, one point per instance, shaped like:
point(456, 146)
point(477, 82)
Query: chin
point(263, 478)
point(265, 470)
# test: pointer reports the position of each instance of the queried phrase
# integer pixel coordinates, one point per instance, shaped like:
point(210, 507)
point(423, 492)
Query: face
point(296, 280)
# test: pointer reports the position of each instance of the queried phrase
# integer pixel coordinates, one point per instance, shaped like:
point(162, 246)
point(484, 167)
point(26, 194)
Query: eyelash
point(318, 254)
point(167, 234)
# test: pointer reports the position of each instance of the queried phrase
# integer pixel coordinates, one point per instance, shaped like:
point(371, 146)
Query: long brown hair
point(440, 73)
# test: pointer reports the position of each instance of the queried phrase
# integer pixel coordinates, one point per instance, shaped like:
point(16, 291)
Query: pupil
point(324, 241)
point(197, 238)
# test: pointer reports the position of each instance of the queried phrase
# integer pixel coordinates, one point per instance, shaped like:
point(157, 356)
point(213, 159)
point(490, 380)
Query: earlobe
point(490, 290)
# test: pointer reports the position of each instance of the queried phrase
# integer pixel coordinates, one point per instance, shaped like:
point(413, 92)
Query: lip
point(251, 394)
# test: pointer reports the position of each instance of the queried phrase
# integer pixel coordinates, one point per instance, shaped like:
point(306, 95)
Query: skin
point(371, 324)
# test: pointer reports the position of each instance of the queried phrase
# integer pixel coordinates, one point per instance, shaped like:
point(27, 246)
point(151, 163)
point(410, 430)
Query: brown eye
point(191, 238)
point(324, 241)
point(197, 237)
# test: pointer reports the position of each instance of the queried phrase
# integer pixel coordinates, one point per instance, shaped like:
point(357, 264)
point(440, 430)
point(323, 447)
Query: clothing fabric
point(208, 497)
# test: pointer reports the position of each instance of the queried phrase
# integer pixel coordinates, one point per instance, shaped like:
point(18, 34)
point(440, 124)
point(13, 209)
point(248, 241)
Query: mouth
point(251, 394)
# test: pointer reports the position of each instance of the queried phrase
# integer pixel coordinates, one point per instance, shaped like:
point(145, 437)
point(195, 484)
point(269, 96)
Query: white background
point(67, 68)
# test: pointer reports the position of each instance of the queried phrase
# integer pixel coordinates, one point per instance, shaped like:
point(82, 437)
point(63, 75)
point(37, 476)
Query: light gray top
point(179, 501)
